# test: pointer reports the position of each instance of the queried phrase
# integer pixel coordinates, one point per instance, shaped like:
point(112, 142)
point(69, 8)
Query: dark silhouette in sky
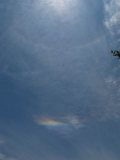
point(116, 53)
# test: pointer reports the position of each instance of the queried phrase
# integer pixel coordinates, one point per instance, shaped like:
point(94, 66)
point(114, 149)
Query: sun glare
point(61, 6)
point(58, 4)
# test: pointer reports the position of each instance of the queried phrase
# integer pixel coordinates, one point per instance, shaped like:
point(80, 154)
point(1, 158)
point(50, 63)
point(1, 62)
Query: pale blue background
point(55, 60)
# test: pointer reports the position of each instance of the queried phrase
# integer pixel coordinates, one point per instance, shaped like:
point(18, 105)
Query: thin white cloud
point(112, 14)
point(111, 81)
point(63, 125)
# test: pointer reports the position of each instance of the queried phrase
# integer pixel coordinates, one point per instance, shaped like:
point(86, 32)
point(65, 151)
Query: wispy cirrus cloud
point(64, 125)
point(112, 15)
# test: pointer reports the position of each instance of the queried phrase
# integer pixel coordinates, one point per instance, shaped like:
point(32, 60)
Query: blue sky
point(59, 84)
